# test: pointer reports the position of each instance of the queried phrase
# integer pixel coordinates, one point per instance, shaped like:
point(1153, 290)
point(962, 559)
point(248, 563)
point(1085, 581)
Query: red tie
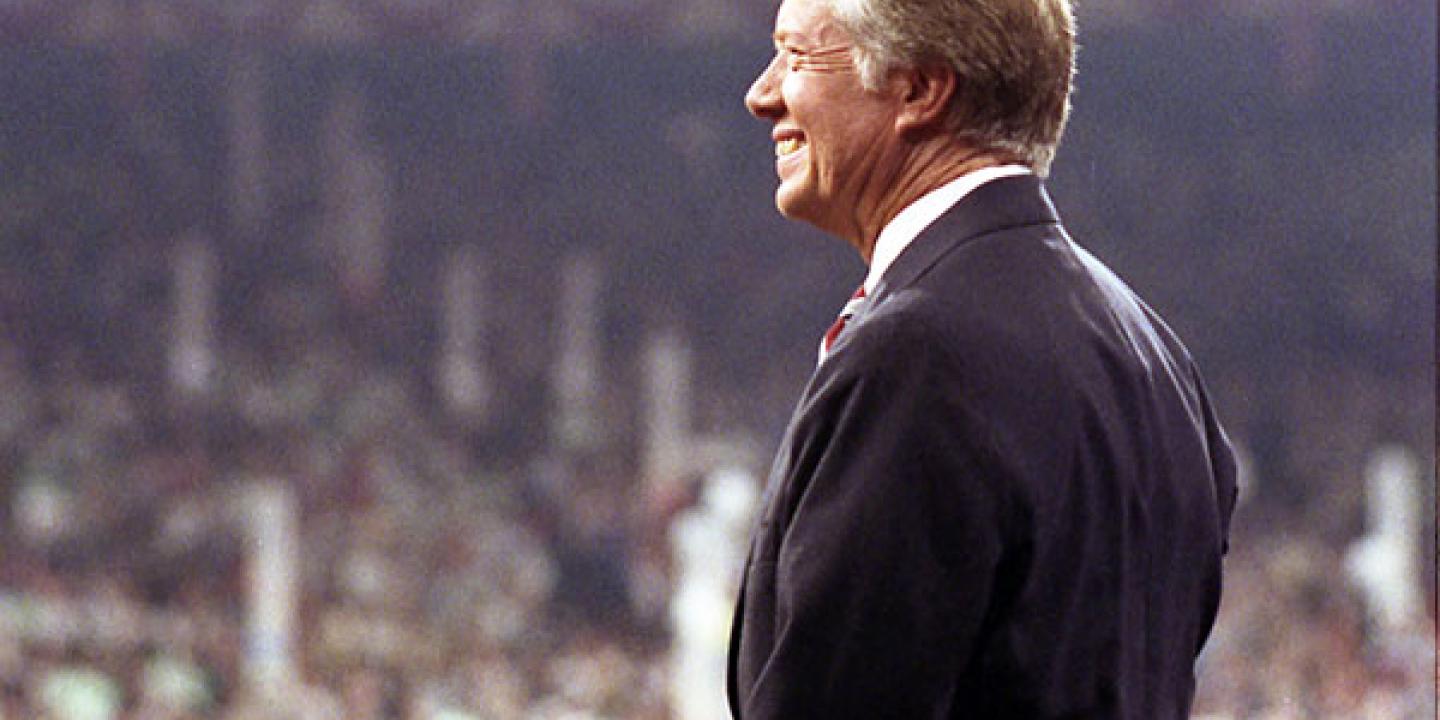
point(846, 313)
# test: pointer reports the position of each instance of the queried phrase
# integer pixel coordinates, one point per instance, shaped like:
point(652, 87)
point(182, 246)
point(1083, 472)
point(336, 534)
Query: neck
point(929, 168)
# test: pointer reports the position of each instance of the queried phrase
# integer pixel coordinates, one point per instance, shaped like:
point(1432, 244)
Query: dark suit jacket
point(1004, 495)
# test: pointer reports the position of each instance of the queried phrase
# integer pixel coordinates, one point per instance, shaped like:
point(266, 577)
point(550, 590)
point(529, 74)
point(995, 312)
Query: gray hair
point(1013, 59)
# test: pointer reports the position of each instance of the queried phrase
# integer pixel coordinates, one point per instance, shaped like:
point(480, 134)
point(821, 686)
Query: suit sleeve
point(1223, 465)
point(892, 534)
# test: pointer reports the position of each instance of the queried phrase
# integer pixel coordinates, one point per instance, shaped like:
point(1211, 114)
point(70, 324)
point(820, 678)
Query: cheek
point(792, 93)
point(803, 98)
point(824, 115)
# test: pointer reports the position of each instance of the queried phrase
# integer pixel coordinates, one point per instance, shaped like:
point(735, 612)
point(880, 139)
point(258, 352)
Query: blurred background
point(423, 358)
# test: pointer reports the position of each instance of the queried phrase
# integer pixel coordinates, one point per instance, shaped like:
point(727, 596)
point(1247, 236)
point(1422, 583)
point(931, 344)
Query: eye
point(793, 57)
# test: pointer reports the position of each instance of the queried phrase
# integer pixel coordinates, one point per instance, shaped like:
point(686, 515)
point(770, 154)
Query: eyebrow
point(779, 37)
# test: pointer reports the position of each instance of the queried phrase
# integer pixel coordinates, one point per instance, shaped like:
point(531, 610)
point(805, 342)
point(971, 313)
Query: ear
point(925, 94)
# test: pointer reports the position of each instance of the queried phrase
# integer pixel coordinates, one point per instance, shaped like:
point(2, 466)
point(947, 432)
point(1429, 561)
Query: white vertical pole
point(271, 522)
point(462, 375)
point(192, 351)
point(577, 367)
point(667, 409)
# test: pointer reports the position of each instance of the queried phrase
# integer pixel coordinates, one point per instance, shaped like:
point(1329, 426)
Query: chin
point(811, 210)
point(794, 203)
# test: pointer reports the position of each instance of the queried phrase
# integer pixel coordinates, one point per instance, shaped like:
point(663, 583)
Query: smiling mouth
point(788, 146)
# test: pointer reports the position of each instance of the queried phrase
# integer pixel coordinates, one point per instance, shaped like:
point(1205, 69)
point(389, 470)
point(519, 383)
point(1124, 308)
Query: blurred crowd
point(432, 587)
point(449, 567)
point(1295, 641)
point(427, 585)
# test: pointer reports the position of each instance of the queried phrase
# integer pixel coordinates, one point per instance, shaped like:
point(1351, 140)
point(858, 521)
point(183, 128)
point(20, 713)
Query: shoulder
point(972, 318)
point(899, 339)
point(1020, 316)
point(925, 354)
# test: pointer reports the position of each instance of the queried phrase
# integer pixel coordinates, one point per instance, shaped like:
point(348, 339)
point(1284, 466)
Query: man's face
point(834, 140)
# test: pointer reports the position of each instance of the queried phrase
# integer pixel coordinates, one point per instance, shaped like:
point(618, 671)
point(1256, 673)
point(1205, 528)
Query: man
point(1003, 493)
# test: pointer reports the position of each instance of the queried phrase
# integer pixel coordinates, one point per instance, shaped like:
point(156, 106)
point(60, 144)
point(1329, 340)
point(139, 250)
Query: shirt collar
point(910, 222)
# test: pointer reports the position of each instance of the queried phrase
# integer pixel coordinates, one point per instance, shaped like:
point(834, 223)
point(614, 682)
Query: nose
point(763, 99)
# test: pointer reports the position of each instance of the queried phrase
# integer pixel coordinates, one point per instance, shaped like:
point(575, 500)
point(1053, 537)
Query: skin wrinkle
point(995, 48)
point(865, 153)
point(836, 58)
point(841, 172)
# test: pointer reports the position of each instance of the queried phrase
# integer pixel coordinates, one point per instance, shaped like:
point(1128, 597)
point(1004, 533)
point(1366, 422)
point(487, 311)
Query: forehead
point(807, 21)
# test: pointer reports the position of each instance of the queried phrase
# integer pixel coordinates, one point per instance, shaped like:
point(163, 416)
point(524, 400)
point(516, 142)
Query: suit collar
point(996, 205)
point(918, 215)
